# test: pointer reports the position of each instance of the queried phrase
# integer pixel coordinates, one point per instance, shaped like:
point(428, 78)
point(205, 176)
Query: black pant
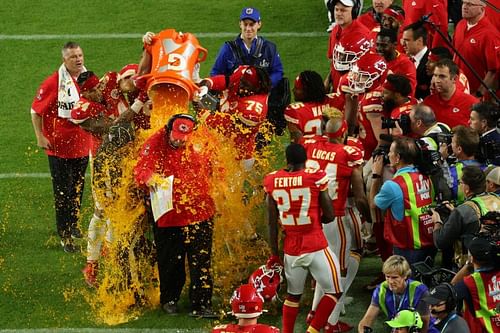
point(172, 246)
point(68, 178)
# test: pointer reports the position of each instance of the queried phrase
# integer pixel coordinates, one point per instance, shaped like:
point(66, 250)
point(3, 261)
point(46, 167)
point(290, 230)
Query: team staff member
point(173, 170)
point(296, 196)
point(396, 293)
point(478, 42)
point(406, 194)
point(353, 34)
point(450, 105)
point(66, 144)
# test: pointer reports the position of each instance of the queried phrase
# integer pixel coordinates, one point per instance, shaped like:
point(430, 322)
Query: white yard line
point(139, 35)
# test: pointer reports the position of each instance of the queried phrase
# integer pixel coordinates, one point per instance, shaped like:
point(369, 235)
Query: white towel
point(67, 94)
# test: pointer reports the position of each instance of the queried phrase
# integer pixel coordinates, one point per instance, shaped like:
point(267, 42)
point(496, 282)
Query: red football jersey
point(240, 120)
point(371, 102)
point(403, 109)
point(402, 65)
point(257, 328)
point(308, 116)
point(337, 160)
point(117, 102)
point(479, 46)
point(296, 194)
point(355, 28)
point(67, 139)
point(453, 112)
point(86, 109)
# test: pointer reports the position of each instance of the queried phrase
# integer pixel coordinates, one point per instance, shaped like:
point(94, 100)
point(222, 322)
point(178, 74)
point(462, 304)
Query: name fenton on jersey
point(288, 181)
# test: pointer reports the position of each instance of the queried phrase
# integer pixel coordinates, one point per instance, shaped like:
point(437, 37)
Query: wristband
point(137, 106)
point(375, 176)
point(439, 222)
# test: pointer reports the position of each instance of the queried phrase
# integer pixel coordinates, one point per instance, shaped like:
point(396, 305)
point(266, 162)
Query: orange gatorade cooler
point(174, 56)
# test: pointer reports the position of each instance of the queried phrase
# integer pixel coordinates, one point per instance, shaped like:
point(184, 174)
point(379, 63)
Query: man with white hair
point(478, 42)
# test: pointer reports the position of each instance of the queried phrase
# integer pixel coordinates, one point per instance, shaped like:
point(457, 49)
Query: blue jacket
point(268, 58)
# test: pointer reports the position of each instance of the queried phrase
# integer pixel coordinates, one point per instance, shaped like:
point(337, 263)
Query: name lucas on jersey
point(319, 154)
point(288, 181)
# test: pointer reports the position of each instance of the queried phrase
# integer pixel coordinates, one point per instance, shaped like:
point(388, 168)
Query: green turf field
point(41, 287)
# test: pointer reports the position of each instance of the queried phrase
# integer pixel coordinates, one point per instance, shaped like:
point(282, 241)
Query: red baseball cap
point(181, 128)
point(128, 71)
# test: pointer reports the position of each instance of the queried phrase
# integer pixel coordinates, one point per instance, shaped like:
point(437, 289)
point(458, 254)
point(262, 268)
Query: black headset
point(170, 123)
point(355, 9)
point(416, 316)
point(451, 300)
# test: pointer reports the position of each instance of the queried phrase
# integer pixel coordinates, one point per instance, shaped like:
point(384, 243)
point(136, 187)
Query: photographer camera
point(463, 222)
point(464, 145)
point(429, 132)
point(479, 290)
point(484, 118)
point(407, 225)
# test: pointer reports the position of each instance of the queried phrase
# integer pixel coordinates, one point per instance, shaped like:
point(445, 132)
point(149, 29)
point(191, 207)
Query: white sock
point(95, 236)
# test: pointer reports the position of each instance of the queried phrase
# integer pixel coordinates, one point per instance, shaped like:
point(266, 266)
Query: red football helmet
point(246, 302)
point(348, 50)
point(267, 281)
point(369, 69)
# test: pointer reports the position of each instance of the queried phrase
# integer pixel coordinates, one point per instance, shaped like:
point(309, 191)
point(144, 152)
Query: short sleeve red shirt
point(67, 139)
point(480, 47)
point(296, 194)
point(453, 112)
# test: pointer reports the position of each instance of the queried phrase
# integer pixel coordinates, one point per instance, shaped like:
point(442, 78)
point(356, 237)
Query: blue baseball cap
point(249, 13)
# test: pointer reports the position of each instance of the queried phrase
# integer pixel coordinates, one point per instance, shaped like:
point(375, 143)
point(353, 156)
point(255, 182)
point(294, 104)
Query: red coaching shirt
point(480, 46)
point(191, 170)
point(297, 196)
point(453, 112)
point(337, 160)
point(67, 139)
